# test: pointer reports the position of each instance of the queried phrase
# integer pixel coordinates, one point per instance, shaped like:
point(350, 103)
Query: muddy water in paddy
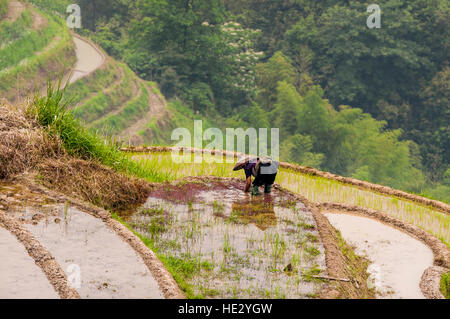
point(109, 267)
point(398, 260)
point(235, 245)
point(20, 277)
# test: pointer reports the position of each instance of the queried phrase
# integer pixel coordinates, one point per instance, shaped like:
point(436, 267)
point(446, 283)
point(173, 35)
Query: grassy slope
point(180, 116)
point(3, 8)
point(106, 101)
point(22, 70)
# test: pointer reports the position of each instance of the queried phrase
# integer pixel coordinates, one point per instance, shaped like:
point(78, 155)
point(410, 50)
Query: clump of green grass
point(445, 285)
point(308, 274)
point(313, 251)
point(132, 111)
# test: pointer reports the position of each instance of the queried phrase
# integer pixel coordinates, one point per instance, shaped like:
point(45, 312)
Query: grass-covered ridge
point(3, 8)
point(100, 103)
point(23, 41)
point(30, 58)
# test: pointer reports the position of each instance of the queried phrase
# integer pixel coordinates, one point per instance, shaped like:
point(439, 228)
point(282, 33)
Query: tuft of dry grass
point(22, 145)
point(94, 183)
point(25, 146)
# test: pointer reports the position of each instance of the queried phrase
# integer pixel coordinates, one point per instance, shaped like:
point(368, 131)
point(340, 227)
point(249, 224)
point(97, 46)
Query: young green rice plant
point(312, 250)
point(227, 244)
point(278, 246)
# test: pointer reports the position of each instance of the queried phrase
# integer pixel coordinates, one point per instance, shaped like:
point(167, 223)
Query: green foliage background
point(367, 103)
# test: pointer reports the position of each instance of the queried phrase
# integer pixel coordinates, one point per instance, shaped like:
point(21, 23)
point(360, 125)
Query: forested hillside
point(367, 103)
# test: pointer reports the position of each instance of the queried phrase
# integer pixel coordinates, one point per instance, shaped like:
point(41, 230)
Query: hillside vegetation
point(365, 103)
point(270, 70)
point(109, 100)
point(34, 49)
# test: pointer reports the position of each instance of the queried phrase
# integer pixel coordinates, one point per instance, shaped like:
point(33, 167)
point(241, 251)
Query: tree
point(433, 130)
point(191, 38)
point(286, 114)
point(278, 68)
point(297, 149)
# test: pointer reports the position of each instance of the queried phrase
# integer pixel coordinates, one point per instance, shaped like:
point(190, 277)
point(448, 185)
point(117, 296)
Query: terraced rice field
point(34, 48)
point(315, 189)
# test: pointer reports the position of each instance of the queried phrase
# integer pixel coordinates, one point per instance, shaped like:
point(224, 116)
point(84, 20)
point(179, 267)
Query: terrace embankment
point(63, 233)
point(41, 49)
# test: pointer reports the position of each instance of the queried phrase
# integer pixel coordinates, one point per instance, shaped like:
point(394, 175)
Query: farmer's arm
point(248, 183)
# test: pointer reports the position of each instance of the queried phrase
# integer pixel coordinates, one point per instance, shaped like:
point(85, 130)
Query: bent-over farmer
point(263, 169)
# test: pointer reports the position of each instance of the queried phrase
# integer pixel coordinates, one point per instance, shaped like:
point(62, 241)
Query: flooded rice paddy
point(97, 262)
point(227, 244)
point(397, 259)
point(20, 277)
point(315, 189)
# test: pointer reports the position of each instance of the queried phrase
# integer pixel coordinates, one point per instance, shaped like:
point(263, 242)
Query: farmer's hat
point(242, 161)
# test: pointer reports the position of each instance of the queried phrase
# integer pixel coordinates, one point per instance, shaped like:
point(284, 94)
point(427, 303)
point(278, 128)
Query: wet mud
point(233, 244)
